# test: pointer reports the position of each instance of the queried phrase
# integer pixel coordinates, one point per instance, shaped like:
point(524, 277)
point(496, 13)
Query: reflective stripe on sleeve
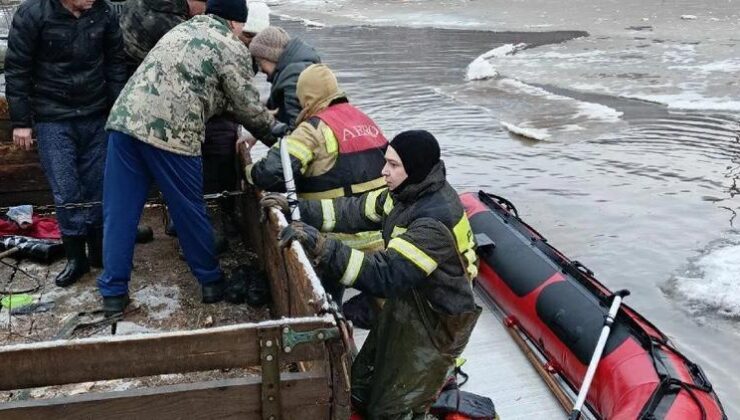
point(299, 151)
point(370, 201)
point(413, 254)
point(332, 146)
point(353, 268)
point(328, 216)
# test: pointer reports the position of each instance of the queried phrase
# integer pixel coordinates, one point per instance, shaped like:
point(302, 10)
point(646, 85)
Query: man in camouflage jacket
point(198, 69)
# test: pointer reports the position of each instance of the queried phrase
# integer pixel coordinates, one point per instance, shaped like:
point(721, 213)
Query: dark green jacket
point(144, 22)
point(418, 227)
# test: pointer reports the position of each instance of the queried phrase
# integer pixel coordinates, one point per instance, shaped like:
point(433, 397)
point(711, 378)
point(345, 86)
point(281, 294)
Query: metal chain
point(90, 204)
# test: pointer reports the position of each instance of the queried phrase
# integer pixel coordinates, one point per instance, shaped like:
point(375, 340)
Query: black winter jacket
point(427, 239)
point(58, 66)
point(295, 58)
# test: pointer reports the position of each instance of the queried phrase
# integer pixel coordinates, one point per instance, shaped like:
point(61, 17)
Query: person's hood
point(409, 193)
point(317, 88)
point(175, 7)
point(296, 51)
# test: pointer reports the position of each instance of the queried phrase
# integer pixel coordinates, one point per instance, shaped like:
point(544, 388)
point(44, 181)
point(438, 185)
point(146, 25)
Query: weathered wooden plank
point(306, 396)
point(6, 131)
point(275, 265)
point(22, 177)
point(37, 198)
point(62, 362)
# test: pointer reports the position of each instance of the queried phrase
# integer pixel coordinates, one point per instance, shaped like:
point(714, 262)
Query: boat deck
point(499, 370)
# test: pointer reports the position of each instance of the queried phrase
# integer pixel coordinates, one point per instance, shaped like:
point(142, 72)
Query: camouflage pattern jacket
point(197, 70)
point(144, 22)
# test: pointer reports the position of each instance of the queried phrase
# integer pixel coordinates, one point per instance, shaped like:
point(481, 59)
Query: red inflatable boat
point(560, 307)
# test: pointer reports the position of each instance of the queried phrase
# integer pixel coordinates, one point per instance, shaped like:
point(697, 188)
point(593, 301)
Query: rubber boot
point(95, 247)
point(113, 305)
point(213, 292)
point(77, 263)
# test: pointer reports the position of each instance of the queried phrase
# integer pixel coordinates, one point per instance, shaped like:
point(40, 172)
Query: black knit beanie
point(235, 10)
point(419, 152)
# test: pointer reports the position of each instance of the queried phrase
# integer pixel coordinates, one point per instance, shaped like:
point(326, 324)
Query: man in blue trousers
point(198, 69)
point(63, 69)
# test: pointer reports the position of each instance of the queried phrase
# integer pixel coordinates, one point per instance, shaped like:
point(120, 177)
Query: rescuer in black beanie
point(419, 152)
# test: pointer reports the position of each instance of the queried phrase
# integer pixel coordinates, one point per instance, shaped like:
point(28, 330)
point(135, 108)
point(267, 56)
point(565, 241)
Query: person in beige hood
point(335, 149)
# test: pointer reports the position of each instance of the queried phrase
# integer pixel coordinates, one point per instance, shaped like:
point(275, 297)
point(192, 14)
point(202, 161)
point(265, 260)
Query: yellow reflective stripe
point(368, 185)
point(330, 219)
point(370, 202)
point(331, 141)
point(397, 231)
point(301, 152)
point(339, 192)
point(322, 195)
point(361, 241)
point(353, 268)
point(388, 205)
point(465, 242)
point(413, 254)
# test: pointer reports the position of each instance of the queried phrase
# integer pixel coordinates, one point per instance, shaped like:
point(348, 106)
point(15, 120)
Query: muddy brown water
point(634, 202)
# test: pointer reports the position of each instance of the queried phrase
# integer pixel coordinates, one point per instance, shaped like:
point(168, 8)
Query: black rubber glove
point(309, 237)
point(270, 200)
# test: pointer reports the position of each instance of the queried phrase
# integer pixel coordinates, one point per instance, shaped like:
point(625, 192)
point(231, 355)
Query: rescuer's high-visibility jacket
point(425, 273)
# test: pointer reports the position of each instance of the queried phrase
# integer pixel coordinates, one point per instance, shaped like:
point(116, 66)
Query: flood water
point(639, 192)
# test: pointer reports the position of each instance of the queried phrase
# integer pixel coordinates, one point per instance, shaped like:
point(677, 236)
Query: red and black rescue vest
point(360, 148)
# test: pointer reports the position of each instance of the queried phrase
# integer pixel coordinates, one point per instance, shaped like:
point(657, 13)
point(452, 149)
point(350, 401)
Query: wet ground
point(165, 297)
point(634, 189)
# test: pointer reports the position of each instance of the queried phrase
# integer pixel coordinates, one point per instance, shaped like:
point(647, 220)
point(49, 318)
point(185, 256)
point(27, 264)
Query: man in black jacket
point(64, 69)
point(425, 273)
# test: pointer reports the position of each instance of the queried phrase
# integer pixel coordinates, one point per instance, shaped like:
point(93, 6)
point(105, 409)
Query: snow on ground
point(710, 282)
point(482, 67)
point(540, 134)
point(159, 300)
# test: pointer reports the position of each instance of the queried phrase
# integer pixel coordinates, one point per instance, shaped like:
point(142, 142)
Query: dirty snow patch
point(160, 301)
point(481, 68)
point(710, 282)
point(596, 111)
point(128, 328)
point(539, 134)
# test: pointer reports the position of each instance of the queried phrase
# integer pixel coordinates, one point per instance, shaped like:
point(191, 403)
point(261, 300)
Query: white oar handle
point(596, 358)
point(290, 190)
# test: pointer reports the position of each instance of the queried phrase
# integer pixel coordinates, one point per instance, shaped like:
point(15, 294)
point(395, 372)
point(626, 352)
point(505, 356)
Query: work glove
point(279, 129)
point(270, 200)
point(310, 238)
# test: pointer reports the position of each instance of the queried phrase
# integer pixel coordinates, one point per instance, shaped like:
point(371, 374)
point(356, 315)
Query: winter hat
point(234, 10)
point(269, 43)
point(419, 152)
point(258, 17)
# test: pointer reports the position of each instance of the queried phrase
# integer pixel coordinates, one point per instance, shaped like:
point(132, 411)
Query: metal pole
point(596, 358)
point(290, 190)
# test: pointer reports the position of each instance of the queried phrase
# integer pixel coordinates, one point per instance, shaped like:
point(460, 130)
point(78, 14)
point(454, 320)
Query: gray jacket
point(295, 58)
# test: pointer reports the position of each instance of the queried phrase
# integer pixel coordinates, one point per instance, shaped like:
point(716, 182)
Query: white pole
point(290, 191)
point(596, 358)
